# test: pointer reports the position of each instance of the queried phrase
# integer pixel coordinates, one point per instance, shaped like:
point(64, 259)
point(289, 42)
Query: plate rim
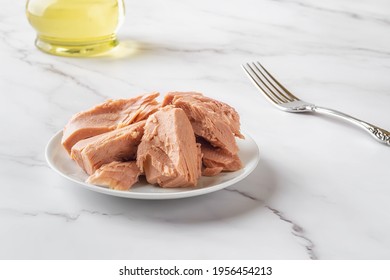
point(158, 195)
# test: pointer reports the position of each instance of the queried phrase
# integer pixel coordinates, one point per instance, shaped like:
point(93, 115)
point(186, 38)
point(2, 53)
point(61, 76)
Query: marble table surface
point(321, 189)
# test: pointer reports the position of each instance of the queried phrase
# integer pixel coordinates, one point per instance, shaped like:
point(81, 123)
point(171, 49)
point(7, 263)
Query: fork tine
point(273, 87)
point(287, 93)
point(261, 84)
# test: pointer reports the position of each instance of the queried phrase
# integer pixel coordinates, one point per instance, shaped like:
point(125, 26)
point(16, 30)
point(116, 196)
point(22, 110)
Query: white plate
point(59, 160)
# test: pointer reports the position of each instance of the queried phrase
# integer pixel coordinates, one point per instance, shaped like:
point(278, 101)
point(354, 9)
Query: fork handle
point(378, 133)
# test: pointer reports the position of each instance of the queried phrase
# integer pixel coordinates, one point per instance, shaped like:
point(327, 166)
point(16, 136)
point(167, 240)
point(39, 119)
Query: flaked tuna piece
point(108, 116)
point(213, 120)
point(218, 158)
point(168, 154)
point(225, 111)
point(211, 171)
point(170, 97)
point(117, 145)
point(116, 175)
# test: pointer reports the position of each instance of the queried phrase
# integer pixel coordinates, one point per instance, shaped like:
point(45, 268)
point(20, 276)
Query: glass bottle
point(75, 27)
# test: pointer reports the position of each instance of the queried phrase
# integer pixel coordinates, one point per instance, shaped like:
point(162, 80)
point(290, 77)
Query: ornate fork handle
point(378, 133)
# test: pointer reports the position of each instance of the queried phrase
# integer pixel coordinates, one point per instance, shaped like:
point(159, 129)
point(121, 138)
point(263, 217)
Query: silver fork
point(286, 101)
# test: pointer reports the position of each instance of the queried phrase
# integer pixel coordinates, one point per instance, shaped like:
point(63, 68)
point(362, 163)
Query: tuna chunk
point(214, 158)
point(213, 120)
point(108, 116)
point(116, 175)
point(211, 171)
point(168, 154)
point(118, 145)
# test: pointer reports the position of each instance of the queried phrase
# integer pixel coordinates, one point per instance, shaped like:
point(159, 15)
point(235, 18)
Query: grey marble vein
point(297, 231)
point(74, 217)
point(25, 160)
point(349, 14)
point(244, 194)
point(52, 69)
point(24, 55)
point(68, 217)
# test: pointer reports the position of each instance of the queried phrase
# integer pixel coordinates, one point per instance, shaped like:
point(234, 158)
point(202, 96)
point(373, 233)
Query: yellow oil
point(75, 27)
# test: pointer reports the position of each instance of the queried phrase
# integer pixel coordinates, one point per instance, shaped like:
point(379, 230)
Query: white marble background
point(322, 187)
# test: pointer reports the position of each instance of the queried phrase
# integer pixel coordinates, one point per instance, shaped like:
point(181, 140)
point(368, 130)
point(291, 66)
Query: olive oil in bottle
point(75, 27)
